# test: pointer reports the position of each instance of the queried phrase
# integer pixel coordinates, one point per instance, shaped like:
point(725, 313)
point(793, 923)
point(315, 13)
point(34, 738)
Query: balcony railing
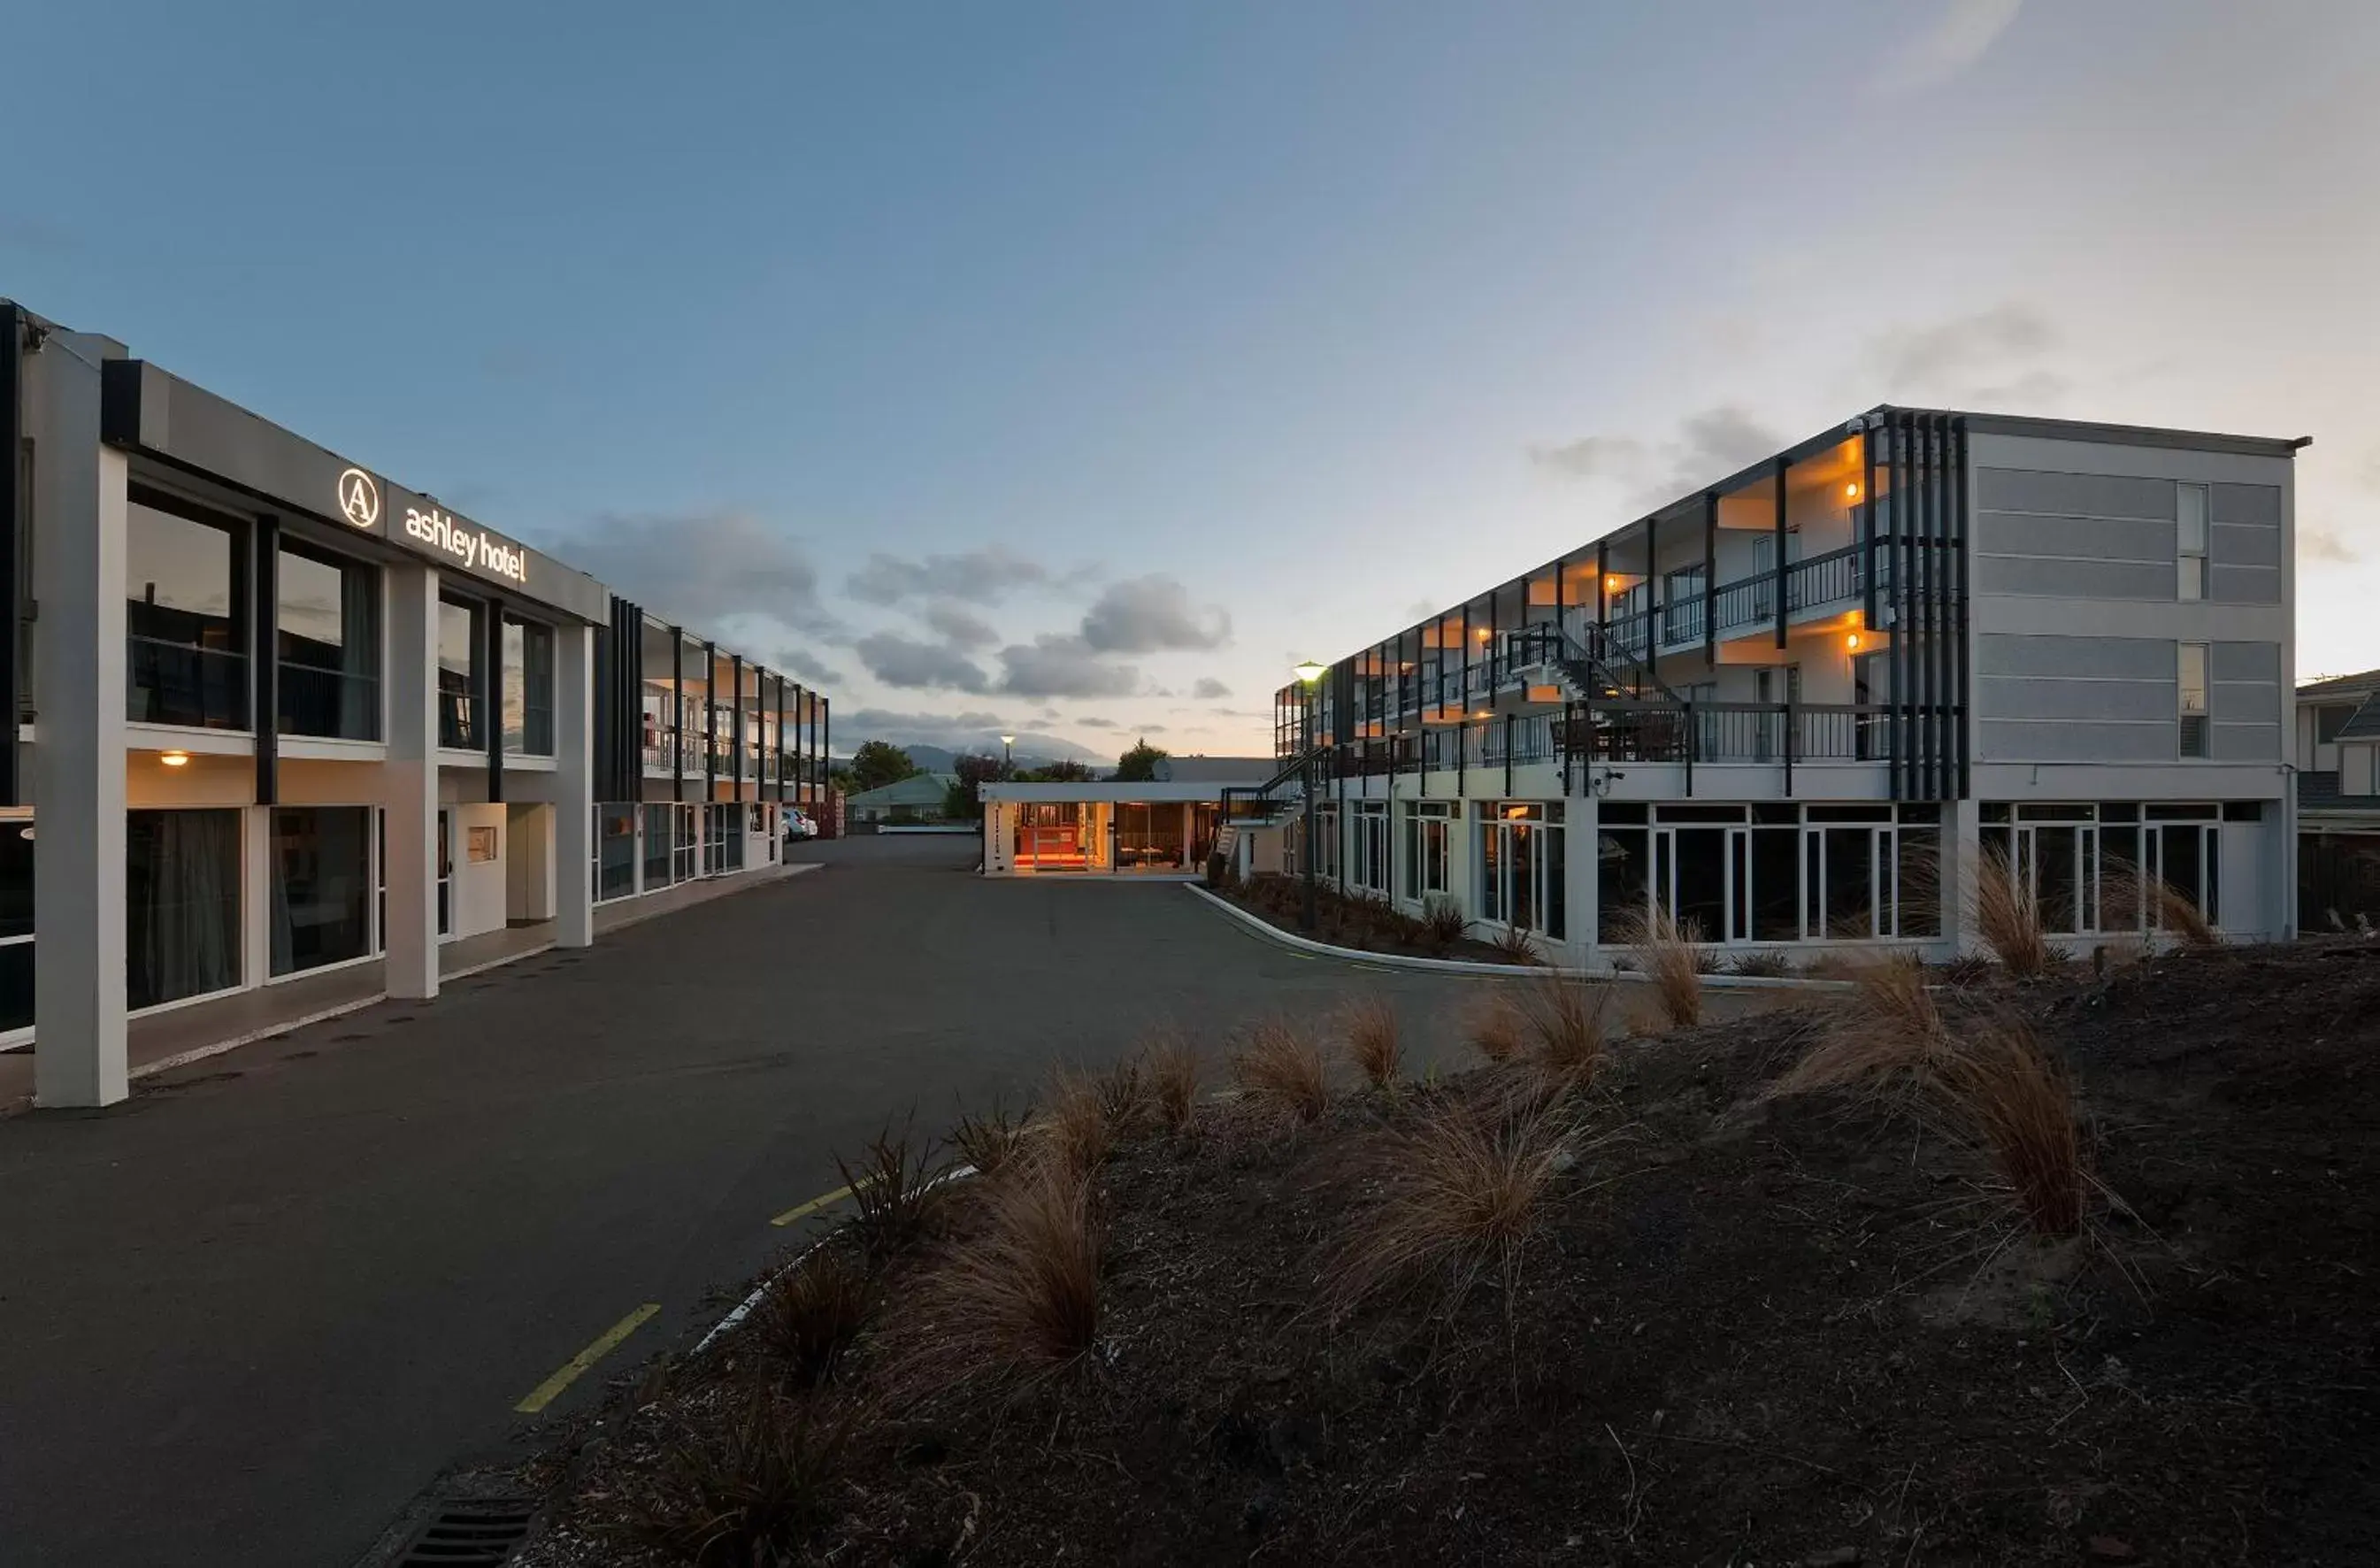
point(1728, 732)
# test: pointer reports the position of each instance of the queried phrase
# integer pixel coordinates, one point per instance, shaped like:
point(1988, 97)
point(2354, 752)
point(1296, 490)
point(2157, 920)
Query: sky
point(1076, 369)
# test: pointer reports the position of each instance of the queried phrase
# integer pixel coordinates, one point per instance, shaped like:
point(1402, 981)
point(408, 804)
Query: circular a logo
point(359, 498)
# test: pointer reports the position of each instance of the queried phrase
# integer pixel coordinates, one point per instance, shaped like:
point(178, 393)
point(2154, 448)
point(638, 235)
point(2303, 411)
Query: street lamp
point(1007, 755)
point(1308, 675)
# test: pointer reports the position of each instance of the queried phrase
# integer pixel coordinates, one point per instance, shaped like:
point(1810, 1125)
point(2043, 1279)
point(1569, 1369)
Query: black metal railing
point(177, 683)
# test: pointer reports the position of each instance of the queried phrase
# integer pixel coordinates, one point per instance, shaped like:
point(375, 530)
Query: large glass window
point(529, 688)
point(186, 648)
point(1517, 862)
point(459, 704)
point(2189, 578)
point(322, 886)
point(661, 823)
point(15, 924)
point(328, 621)
point(615, 851)
point(181, 905)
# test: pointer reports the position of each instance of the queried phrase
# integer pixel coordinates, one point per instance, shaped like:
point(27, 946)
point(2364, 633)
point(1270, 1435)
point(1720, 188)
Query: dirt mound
point(1748, 1330)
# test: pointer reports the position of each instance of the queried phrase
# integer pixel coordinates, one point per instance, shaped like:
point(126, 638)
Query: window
point(2329, 719)
point(328, 637)
point(661, 823)
point(181, 905)
point(529, 688)
point(1425, 869)
point(615, 852)
point(186, 648)
point(1371, 849)
point(15, 924)
point(2191, 673)
point(1521, 865)
point(458, 677)
point(2191, 543)
point(322, 886)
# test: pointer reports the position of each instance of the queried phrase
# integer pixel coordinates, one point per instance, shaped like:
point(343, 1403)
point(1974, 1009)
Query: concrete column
point(411, 780)
point(256, 896)
point(1582, 866)
point(79, 580)
point(1963, 855)
point(574, 784)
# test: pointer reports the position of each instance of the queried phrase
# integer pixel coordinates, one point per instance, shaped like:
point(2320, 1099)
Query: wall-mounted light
point(1484, 634)
point(1852, 641)
point(174, 759)
point(26, 834)
point(1851, 490)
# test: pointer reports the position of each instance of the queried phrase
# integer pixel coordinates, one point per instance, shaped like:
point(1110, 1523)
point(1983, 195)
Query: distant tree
point(1063, 772)
point(960, 802)
point(1139, 764)
point(879, 762)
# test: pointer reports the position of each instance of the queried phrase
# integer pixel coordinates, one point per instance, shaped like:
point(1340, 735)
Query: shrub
point(1886, 1031)
point(1565, 1015)
point(895, 1194)
point(1172, 1069)
point(1022, 1292)
point(1368, 1025)
point(1967, 972)
point(1665, 951)
point(2007, 917)
point(1766, 962)
point(1442, 918)
point(751, 1494)
point(1495, 1026)
point(1516, 944)
point(1460, 1192)
point(990, 1141)
point(1282, 1067)
point(808, 1316)
point(2018, 1106)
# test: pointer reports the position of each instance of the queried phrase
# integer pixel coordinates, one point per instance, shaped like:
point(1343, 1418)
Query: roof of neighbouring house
point(917, 789)
point(2360, 684)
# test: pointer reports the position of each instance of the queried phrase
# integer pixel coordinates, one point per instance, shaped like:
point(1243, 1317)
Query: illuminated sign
point(475, 548)
point(359, 498)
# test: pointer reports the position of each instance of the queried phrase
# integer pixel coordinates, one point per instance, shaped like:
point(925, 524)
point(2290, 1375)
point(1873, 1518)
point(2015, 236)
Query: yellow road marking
point(802, 1210)
point(546, 1392)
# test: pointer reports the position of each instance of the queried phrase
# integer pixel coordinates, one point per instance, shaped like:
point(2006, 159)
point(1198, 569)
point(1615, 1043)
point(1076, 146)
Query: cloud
point(959, 628)
point(2325, 545)
point(977, 577)
point(809, 670)
point(1208, 689)
point(1956, 40)
point(1151, 614)
point(1990, 356)
point(1099, 723)
point(1063, 666)
point(973, 730)
point(1591, 457)
point(905, 661)
point(698, 568)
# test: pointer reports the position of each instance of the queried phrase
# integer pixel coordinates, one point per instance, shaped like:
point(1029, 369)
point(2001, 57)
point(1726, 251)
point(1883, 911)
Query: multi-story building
point(1794, 709)
point(280, 716)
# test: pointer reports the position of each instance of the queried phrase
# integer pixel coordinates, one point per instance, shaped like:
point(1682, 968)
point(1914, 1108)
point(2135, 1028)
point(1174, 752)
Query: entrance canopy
point(1101, 829)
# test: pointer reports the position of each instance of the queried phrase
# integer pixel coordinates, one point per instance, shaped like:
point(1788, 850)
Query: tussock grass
point(1368, 1026)
point(2017, 1104)
point(1076, 1125)
point(1020, 1292)
point(1282, 1067)
point(1125, 1099)
point(751, 1494)
point(2007, 917)
point(1886, 1033)
point(1565, 1016)
point(895, 1193)
point(1666, 955)
point(1493, 1025)
point(2126, 890)
point(1516, 944)
point(808, 1318)
point(990, 1139)
point(1460, 1192)
point(1170, 1062)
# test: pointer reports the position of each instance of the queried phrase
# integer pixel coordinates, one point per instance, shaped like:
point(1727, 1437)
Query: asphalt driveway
point(247, 1315)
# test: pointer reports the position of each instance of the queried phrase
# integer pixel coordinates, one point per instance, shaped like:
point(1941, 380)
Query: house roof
point(2363, 723)
point(917, 789)
point(1216, 770)
point(2343, 686)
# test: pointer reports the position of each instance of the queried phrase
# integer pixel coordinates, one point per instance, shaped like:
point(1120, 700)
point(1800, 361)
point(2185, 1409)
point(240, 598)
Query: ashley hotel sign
point(431, 527)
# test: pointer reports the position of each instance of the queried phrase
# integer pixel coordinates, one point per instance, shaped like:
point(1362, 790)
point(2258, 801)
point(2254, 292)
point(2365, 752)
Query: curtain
point(182, 905)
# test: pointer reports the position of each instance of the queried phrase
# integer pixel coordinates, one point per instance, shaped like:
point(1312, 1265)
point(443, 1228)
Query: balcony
point(1818, 584)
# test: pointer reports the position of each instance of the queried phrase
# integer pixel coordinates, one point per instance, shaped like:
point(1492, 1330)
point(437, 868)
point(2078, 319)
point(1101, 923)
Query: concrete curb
point(1297, 943)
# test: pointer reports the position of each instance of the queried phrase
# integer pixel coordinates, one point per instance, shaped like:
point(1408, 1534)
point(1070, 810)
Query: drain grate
point(473, 1533)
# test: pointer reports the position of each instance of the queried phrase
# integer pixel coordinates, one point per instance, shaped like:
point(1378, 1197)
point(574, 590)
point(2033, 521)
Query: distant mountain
point(1032, 751)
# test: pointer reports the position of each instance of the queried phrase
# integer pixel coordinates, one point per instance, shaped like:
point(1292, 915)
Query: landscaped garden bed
point(1371, 925)
point(2071, 1268)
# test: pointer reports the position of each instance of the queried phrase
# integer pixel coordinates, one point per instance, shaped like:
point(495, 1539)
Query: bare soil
point(1750, 1331)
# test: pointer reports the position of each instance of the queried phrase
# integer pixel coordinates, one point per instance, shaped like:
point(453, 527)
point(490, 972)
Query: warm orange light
point(174, 759)
point(1852, 641)
point(1484, 634)
point(1851, 490)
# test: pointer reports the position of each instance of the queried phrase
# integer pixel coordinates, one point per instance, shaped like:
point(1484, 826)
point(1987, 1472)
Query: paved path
point(245, 1317)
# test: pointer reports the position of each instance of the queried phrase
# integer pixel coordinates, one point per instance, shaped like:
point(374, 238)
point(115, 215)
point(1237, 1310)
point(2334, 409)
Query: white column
point(256, 896)
point(1962, 857)
point(573, 786)
point(1582, 867)
point(79, 566)
point(411, 777)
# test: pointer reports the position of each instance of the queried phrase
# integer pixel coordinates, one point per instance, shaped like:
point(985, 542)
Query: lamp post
point(1309, 674)
point(1007, 755)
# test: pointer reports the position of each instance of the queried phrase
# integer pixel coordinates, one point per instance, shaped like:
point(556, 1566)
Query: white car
point(799, 824)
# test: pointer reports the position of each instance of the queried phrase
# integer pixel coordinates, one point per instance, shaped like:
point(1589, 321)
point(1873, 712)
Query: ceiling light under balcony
point(174, 759)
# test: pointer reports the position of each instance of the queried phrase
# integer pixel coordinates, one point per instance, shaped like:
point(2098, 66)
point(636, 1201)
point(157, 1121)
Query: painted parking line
point(546, 1392)
point(803, 1210)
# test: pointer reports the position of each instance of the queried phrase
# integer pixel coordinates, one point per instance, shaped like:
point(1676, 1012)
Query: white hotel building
point(280, 717)
point(1794, 707)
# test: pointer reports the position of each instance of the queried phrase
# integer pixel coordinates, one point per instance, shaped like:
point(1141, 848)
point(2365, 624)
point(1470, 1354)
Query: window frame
point(2191, 581)
point(2184, 712)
